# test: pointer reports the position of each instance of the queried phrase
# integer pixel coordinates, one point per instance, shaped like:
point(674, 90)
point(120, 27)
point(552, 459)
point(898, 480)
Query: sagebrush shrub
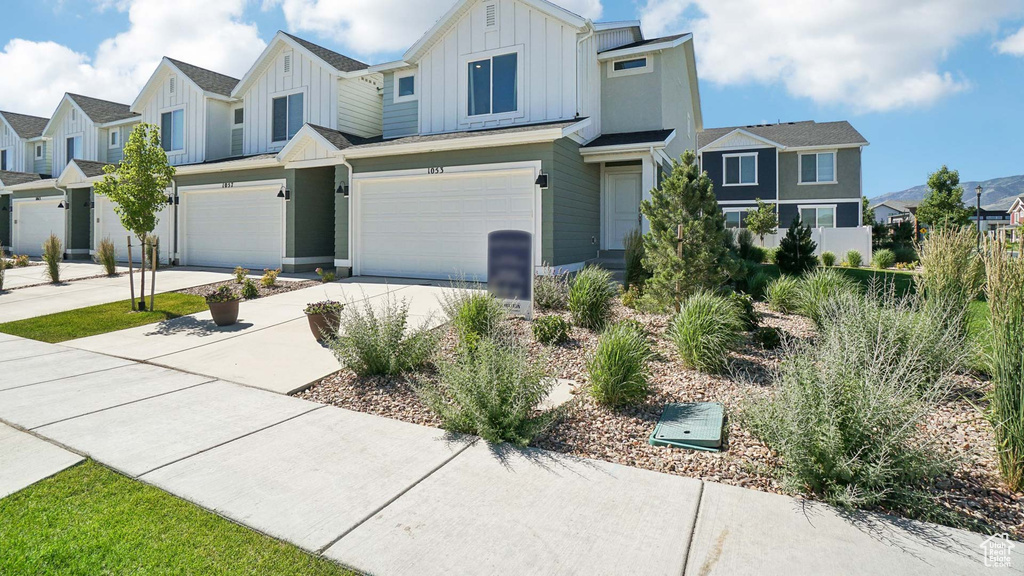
point(250, 290)
point(828, 258)
point(590, 298)
point(854, 259)
point(53, 255)
point(378, 341)
point(618, 369)
point(782, 294)
point(818, 287)
point(706, 328)
point(492, 391)
point(551, 291)
point(474, 314)
point(551, 330)
point(883, 259)
point(106, 255)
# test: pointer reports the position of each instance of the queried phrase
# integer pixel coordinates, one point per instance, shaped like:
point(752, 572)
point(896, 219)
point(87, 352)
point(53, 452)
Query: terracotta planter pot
point(224, 313)
point(321, 324)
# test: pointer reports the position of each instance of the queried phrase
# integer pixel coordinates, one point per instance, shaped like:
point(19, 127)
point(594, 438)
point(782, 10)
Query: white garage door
point(228, 227)
point(108, 225)
point(34, 221)
point(436, 226)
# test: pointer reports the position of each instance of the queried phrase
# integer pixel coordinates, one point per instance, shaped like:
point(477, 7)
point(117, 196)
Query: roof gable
point(739, 139)
point(25, 126)
point(805, 134)
point(338, 64)
point(212, 84)
point(102, 111)
point(314, 142)
point(81, 172)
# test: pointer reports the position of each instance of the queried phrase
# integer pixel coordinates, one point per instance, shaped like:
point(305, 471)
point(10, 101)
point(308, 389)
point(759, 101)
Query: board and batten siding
point(185, 96)
point(15, 147)
point(66, 128)
point(590, 79)
point(548, 84)
point(360, 108)
point(401, 119)
point(319, 85)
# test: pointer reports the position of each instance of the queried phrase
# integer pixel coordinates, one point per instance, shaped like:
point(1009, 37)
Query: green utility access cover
point(697, 426)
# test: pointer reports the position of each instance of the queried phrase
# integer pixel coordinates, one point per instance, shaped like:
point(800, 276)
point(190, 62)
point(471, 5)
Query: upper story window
point(629, 66)
point(239, 116)
point(740, 169)
point(4, 160)
point(818, 216)
point(172, 130)
point(493, 85)
point(405, 86)
point(287, 116)
point(39, 151)
point(73, 146)
point(115, 138)
point(819, 168)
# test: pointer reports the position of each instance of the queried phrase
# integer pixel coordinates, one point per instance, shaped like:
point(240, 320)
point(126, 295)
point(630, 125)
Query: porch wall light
point(542, 181)
point(342, 189)
point(285, 193)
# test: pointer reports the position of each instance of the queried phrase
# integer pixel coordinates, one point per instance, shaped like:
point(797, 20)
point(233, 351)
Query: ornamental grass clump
point(636, 274)
point(1005, 290)
point(782, 293)
point(53, 255)
point(106, 255)
point(847, 410)
point(474, 314)
point(883, 259)
point(590, 298)
point(818, 287)
point(706, 328)
point(378, 341)
point(493, 390)
point(828, 258)
point(618, 369)
point(952, 274)
point(854, 259)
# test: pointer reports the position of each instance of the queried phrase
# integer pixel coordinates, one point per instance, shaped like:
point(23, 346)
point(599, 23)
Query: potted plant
point(223, 306)
point(324, 318)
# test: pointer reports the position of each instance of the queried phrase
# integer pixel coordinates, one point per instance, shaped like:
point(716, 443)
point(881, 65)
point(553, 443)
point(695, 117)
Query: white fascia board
point(47, 184)
point(300, 140)
point(122, 122)
point(227, 166)
point(257, 65)
point(602, 26)
point(57, 113)
point(711, 145)
point(645, 49)
point(72, 174)
point(150, 85)
point(639, 147)
point(825, 147)
point(389, 66)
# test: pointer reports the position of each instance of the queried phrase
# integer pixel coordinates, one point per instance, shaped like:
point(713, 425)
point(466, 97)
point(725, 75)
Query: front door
point(622, 207)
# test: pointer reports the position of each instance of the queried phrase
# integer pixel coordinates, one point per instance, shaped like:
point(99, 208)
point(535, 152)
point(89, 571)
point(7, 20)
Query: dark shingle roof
point(793, 134)
point(8, 178)
point(646, 42)
point(208, 80)
point(340, 62)
point(342, 140)
point(102, 111)
point(623, 138)
point(471, 133)
point(91, 169)
point(24, 125)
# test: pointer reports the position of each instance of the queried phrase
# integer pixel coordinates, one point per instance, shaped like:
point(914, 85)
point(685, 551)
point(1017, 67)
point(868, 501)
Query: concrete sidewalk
point(388, 497)
point(36, 273)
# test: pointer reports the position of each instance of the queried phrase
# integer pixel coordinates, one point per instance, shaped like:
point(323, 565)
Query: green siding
point(310, 215)
point(848, 178)
point(234, 176)
point(576, 205)
point(5, 221)
point(80, 220)
point(340, 215)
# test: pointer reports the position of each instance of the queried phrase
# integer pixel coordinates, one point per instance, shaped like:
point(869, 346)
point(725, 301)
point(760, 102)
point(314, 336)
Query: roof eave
point(645, 49)
point(634, 147)
point(744, 132)
point(240, 164)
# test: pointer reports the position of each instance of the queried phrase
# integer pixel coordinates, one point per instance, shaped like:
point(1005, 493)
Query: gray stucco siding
point(847, 213)
point(401, 119)
point(848, 184)
point(632, 103)
point(765, 189)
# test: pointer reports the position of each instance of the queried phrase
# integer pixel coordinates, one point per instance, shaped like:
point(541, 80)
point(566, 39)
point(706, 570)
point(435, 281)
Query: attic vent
point(287, 64)
point(491, 16)
point(171, 84)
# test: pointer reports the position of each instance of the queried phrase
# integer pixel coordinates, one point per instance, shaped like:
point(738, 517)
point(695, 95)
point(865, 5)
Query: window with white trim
point(629, 66)
point(115, 138)
point(287, 117)
point(405, 86)
point(493, 85)
point(818, 168)
point(39, 151)
point(172, 130)
point(818, 216)
point(739, 169)
point(735, 219)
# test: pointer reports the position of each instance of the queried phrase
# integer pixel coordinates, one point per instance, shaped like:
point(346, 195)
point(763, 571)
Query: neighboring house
point(991, 219)
point(890, 208)
point(508, 114)
point(1016, 211)
point(22, 146)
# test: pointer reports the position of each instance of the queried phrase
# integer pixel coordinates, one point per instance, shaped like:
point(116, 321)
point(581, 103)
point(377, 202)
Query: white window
point(405, 86)
point(818, 168)
point(287, 117)
point(115, 138)
point(629, 66)
point(73, 147)
point(735, 219)
point(172, 130)
point(493, 85)
point(739, 169)
point(818, 216)
point(39, 151)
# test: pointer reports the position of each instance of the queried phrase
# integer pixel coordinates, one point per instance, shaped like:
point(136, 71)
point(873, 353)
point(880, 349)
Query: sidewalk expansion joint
point(693, 528)
point(71, 376)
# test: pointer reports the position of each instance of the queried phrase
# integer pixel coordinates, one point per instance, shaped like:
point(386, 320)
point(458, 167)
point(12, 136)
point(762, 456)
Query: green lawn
point(901, 280)
point(89, 520)
point(104, 318)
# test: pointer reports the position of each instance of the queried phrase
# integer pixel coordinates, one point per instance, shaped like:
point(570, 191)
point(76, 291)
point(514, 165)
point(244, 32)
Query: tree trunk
point(142, 276)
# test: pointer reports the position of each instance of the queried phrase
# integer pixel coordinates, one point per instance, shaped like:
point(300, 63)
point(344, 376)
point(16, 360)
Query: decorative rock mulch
point(620, 436)
point(281, 287)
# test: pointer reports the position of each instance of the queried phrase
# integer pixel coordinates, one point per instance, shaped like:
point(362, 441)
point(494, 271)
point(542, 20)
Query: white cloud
point(201, 32)
point(367, 27)
point(871, 55)
point(1013, 44)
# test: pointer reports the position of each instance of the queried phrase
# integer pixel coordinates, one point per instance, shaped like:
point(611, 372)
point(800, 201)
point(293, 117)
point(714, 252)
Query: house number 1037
point(435, 170)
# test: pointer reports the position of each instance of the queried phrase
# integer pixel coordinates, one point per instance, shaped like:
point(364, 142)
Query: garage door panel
point(109, 227)
point(233, 227)
point(34, 221)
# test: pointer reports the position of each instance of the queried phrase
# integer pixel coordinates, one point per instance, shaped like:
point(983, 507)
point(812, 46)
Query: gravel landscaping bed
point(281, 287)
point(620, 436)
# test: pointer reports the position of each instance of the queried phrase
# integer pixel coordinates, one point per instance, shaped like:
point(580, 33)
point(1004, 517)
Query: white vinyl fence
point(839, 241)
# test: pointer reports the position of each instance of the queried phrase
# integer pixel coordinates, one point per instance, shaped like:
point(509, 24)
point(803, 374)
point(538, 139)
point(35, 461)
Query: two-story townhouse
point(887, 209)
point(1016, 212)
point(809, 170)
point(24, 157)
point(236, 202)
point(508, 114)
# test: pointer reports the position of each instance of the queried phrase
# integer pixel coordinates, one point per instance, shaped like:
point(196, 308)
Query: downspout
point(351, 248)
point(579, 44)
point(67, 208)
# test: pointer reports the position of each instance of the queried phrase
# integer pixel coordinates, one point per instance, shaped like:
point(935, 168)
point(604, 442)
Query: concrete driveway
point(271, 346)
point(49, 298)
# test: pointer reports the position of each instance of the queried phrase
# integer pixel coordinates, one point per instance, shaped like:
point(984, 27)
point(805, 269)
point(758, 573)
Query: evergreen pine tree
point(685, 199)
point(796, 250)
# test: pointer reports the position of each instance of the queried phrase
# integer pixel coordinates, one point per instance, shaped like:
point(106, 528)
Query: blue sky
point(932, 82)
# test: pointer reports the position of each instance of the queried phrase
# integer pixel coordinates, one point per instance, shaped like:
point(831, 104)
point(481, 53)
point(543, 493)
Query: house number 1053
point(435, 170)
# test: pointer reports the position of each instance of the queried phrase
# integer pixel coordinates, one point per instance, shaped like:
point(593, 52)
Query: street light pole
point(978, 214)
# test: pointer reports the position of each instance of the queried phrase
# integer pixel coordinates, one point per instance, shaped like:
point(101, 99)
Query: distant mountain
point(998, 193)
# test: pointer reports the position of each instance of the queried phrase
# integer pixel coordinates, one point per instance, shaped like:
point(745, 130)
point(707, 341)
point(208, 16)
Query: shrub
point(636, 274)
point(846, 415)
point(744, 243)
point(550, 330)
point(325, 277)
point(768, 337)
point(1006, 411)
point(905, 254)
point(492, 391)
point(745, 304)
point(631, 297)
point(551, 291)
point(828, 259)
point(853, 259)
point(757, 283)
point(705, 329)
point(590, 298)
point(250, 291)
point(379, 342)
point(758, 254)
point(796, 250)
point(771, 255)
point(20, 260)
point(3, 268)
point(269, 279)
point(53, 255)
point(106, 255)
point(473, 313)
point(883, 259)
point(240, 274)
point(323, 307)
point(221, 295)
point(952, 274)
point(818, 287)
point(783, 294)
point(618, 368)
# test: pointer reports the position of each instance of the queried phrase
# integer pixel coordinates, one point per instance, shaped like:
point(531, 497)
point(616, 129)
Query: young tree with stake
point(137, 187)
